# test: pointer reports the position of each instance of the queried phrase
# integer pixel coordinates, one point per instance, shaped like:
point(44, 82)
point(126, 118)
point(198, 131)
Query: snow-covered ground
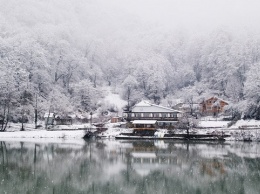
point(212, 124)
point(114, 130)
point(68, 133)
point(43, 134)
point(246, 124)
point(224, 124)
point(239, 131)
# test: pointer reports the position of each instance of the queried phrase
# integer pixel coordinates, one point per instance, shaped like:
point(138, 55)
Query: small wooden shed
point(63, 120)
point(116, 119)
point(49, 118)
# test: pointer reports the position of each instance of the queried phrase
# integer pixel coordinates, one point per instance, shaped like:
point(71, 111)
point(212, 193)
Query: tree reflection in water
point(129, 167)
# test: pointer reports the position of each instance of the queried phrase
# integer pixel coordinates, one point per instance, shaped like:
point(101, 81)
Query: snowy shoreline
point(243, 129)
point(64, 135)
point(77, 134)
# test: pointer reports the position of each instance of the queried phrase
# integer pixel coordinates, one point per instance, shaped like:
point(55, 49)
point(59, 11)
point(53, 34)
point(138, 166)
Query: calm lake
point(111, 166)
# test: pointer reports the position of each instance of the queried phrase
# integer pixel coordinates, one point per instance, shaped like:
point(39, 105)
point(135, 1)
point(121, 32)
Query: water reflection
point(129, 167)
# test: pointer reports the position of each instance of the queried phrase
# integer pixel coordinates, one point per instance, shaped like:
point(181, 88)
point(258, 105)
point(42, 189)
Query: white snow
point(115, 99)
point(60, 133)
point(43, 134)
point(213, 124)
point(246, 124)
point(144, 121)
point(242, 129)
point(112, 132)
point(143, 155)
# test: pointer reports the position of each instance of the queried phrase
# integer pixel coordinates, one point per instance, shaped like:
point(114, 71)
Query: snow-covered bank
point(224, 124)
point(212, 124)
point(112, 132)
point(30, 134)
point(246, 124)
point(77, 135)
point(242, 130)
point(31, 127)
point(43, 134)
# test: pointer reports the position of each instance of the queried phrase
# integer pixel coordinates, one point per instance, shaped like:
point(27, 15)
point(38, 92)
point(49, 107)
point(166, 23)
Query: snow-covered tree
point(129, 90)
point(85, 96)
point(252, 91)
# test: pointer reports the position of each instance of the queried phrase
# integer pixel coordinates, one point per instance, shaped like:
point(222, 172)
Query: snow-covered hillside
point(59, 55)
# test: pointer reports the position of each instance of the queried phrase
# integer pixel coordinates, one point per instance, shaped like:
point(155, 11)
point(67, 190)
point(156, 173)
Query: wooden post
point(36, 112)
point(90, 120)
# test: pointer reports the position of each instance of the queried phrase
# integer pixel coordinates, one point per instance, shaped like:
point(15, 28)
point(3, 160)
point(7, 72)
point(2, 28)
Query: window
point(138, 114)
point(174, 115)
point(164, 114)
point(156, 114)
point(146, 114)
point(160, 124)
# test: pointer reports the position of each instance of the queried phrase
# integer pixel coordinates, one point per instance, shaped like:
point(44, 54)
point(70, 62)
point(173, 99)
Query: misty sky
point(115, 18)
point(175, 13)
point(195, 13)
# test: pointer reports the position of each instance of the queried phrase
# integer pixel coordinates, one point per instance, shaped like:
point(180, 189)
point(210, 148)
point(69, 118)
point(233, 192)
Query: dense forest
point(61, 55)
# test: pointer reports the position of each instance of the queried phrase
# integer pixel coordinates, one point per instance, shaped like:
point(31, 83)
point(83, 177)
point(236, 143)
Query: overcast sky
point(117, 17)
point(194, 14)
